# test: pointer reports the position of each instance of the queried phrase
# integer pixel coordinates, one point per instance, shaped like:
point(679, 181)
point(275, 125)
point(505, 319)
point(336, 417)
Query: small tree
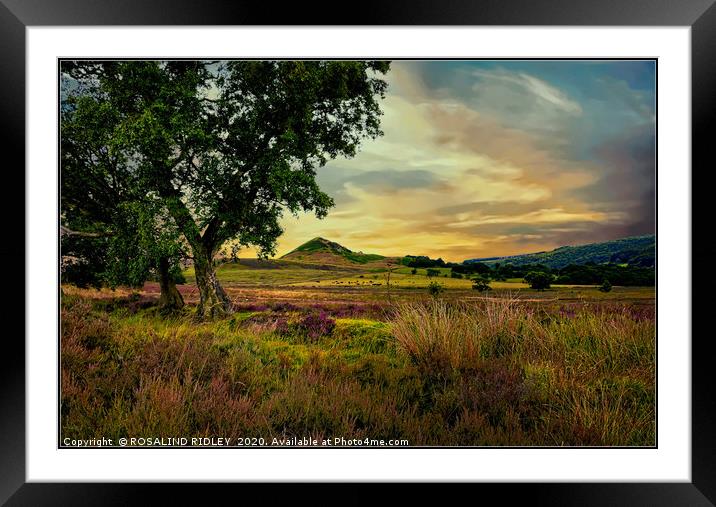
point(414, 271)
point(432, 272)
point(606, 286)
point(387, 274)
point(435, 289)
point(538, 280)
point(481, 283)
point(235, 247)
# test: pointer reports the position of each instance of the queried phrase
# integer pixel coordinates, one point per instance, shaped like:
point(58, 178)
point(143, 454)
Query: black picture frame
point(16, 15)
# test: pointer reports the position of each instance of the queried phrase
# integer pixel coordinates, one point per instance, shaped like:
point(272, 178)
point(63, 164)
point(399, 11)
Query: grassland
point(324, 353)
point(373, 283)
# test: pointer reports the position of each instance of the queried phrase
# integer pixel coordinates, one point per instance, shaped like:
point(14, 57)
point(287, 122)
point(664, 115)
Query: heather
point(495, 371)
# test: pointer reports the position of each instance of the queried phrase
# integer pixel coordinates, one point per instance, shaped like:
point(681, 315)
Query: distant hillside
point(634, 251)
point(321, 250)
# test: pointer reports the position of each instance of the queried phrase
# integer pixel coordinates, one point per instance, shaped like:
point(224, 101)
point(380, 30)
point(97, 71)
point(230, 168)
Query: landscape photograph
point(357, 253)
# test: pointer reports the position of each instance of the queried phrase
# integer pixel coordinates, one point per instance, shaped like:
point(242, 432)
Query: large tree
point(113, 231)
point(227, 147)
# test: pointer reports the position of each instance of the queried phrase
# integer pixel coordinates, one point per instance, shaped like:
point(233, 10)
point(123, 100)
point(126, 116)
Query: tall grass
point(495, 372)
point(592, 375)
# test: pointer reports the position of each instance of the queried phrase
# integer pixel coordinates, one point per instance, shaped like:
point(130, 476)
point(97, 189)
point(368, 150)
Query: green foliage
point(435, 289)
point(119, 232)
point(539, 280)
point(469, 268)
point(634, 251)
point(127, 252)
point(414, 271)
point(431, 272)
point(84, 261)
point(422, 261)
point(606, 286)
point(480, 283)
point(224, 148)
point(594, 274)
point(177, 275)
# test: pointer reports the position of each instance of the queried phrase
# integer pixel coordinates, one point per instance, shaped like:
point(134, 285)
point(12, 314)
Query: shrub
point(316, 325)
point(538, 280)
point(432, 272)
point(453, 274)
point(435, 289)
point(481, 283)
point(177, 276)
point(606, 286)
point(414, 271)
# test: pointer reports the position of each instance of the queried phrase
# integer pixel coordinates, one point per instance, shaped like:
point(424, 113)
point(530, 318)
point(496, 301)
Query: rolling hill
point(323, 251)
point(634, 251)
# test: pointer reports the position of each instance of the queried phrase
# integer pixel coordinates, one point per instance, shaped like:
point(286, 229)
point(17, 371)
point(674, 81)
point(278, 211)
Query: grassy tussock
point(583, 380)
point(498, 372)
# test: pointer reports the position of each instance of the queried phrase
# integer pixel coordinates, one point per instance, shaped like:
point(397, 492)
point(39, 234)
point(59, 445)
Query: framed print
point(430, 251)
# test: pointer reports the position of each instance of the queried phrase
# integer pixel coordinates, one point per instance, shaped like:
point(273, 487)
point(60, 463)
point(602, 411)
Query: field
point(332, 351)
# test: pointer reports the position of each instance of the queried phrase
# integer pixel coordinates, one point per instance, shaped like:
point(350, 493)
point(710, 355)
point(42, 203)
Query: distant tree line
point(578, 274)
point(634, 251)
point(422, 261)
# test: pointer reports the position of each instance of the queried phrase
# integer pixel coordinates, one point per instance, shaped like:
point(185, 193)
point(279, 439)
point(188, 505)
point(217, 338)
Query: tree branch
point(66, 231)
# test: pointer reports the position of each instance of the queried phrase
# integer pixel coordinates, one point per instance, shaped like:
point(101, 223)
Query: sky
point(491, 158)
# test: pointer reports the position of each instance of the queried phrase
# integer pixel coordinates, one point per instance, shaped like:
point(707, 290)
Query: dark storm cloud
point(627, 179)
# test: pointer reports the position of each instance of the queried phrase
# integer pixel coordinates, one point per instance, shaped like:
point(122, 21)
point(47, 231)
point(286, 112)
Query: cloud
point(542, 216)
point(485, 158)
point(523, 88)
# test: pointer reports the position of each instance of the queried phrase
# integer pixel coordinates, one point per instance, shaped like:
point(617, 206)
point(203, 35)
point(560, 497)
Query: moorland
point(330, 343)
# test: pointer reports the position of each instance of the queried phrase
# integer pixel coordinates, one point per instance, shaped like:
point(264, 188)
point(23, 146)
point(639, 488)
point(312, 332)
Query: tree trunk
point(213, 301)
point(170, 299)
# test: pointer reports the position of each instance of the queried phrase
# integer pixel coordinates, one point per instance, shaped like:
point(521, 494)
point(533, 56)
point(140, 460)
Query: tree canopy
point(539, 280)
point(219, 150)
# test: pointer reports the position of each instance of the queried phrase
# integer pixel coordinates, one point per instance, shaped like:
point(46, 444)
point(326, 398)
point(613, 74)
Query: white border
point(670, 462)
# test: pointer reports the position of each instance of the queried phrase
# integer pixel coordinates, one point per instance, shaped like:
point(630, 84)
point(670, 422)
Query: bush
point(481, 283)
point(538, 280)
point(455, 275)
point(177, 276)
point(316, 325)
point(606, 286)
point(435, 289)
point(433, 272)
point(414, 271)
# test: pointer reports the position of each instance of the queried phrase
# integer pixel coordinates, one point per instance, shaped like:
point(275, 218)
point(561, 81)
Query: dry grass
point(592, 373)
point(495, 371)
